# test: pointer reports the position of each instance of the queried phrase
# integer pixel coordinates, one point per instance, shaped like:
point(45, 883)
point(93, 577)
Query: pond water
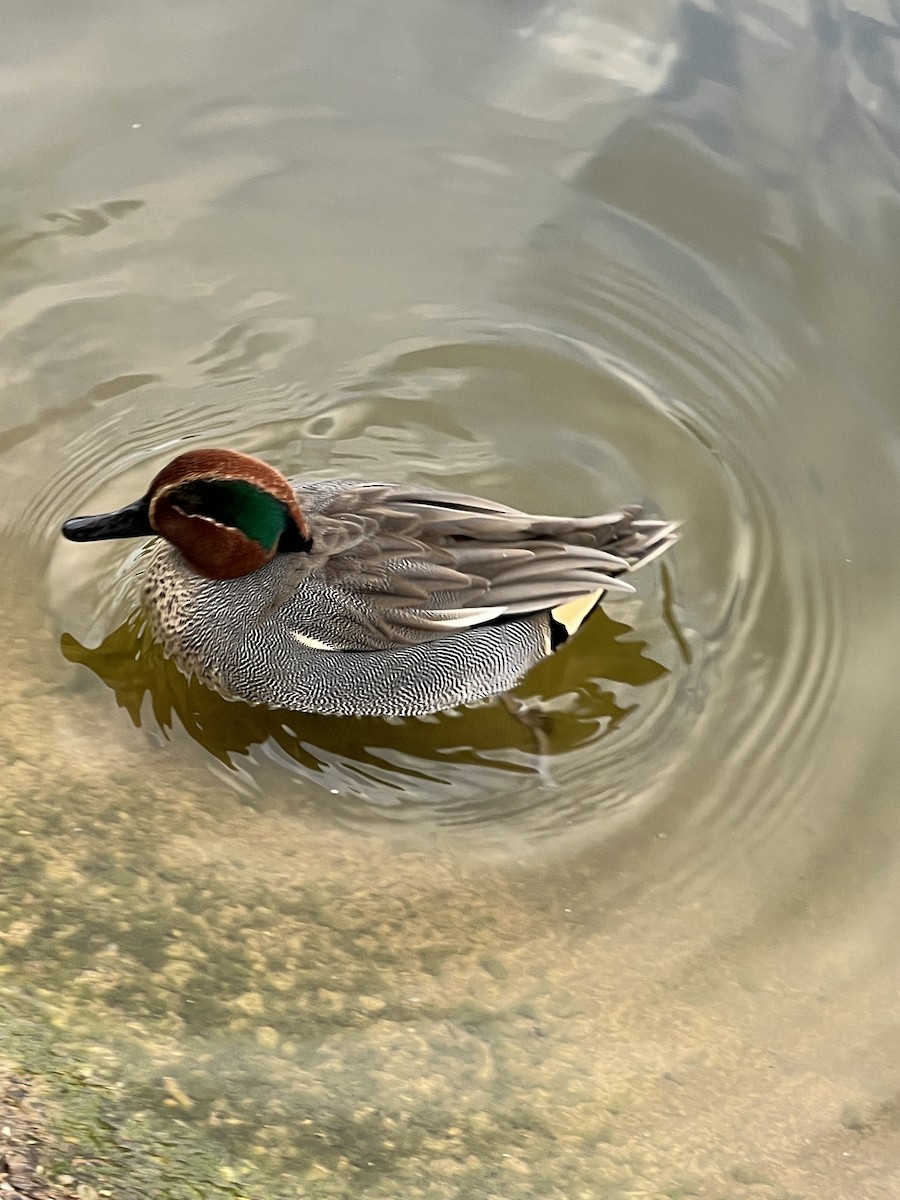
point(567, 256)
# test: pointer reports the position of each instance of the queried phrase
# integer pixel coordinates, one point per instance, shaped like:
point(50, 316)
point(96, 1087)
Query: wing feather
point(414, 565)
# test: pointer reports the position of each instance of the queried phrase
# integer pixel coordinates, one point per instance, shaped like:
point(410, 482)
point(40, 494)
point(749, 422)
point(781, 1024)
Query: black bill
point(131, 521)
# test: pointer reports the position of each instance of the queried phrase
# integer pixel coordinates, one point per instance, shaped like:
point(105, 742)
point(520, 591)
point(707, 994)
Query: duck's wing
point(412, 565)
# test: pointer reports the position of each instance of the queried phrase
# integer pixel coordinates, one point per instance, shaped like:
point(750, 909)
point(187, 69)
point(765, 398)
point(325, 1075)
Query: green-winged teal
point(336, 596)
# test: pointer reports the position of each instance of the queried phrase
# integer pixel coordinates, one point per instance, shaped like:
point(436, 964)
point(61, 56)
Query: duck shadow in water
point(386, 761)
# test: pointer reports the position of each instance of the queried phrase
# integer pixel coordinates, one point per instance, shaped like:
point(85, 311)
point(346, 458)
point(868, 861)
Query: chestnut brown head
point(228, 513)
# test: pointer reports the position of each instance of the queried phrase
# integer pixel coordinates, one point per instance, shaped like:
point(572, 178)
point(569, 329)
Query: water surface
point(568, 257)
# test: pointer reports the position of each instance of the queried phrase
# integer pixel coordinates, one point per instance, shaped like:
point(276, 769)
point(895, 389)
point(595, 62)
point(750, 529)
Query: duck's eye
point(191, 502)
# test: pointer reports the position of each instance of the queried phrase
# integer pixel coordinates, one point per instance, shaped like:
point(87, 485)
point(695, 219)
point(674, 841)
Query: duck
point(350, 598)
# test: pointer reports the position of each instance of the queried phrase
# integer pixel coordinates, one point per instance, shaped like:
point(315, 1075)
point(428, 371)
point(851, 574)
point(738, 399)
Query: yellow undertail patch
point(572, 614)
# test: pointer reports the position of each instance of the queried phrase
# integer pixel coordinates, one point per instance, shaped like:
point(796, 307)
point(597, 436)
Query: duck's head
point(228, 514)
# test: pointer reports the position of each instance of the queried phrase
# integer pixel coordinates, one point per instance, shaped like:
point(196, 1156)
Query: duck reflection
point(572, 698)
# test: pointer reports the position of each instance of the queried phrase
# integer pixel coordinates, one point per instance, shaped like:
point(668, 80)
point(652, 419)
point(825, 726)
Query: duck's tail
point(631, 536)
point(641, 539)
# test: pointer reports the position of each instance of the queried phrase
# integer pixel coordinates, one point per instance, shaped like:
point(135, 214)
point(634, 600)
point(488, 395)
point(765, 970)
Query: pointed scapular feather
point(423, 563)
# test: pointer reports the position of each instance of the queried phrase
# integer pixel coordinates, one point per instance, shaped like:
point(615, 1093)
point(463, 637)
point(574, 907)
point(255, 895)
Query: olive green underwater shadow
point(152, 689)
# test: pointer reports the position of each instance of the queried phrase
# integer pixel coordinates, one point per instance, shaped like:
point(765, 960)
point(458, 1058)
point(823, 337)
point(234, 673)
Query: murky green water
point(567, 257)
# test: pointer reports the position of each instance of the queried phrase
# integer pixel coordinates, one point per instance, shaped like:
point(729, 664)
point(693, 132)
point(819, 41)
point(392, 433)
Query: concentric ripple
point(766, 656)
point(617, 395)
